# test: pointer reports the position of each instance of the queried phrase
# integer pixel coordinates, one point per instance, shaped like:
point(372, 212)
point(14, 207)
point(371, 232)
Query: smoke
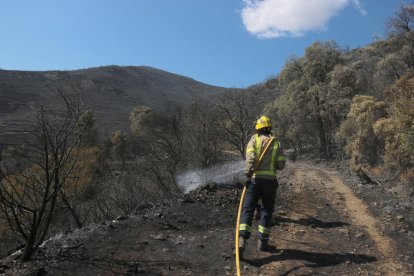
point(225, 173)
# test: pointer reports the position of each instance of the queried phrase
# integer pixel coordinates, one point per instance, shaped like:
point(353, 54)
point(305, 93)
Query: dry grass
point(84, 169)
point(408, 176)
point(80, 178)
point(377, 171)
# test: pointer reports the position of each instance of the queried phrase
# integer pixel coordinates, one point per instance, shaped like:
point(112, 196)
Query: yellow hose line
point(237, 232)
point(240, 208)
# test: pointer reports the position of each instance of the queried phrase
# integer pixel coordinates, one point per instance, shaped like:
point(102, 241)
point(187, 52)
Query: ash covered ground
point(326, 222)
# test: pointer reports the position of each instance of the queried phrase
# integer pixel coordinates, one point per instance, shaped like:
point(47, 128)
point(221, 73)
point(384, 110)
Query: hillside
point(112, 91)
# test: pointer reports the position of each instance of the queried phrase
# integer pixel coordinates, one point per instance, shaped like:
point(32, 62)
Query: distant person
point(260, 183)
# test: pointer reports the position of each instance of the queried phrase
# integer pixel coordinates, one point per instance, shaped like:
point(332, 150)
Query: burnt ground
point(326, 222)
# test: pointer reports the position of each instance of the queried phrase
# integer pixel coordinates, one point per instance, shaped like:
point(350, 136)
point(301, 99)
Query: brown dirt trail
point(323, 228)
point(359, 214)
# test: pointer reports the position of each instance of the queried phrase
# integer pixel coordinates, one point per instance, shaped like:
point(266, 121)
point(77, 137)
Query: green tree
point(356, 134)
point(397, 130)
point(311, 87)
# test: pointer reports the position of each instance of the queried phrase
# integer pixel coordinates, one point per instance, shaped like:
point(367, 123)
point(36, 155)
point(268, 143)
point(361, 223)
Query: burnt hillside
point(113, 91)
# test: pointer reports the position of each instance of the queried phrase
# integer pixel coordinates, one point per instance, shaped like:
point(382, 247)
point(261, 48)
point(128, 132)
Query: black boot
point(262, 245)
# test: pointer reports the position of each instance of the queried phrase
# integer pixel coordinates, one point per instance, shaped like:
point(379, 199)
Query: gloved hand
point(247, 182)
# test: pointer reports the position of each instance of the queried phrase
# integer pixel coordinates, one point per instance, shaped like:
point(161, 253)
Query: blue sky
point(230, 43)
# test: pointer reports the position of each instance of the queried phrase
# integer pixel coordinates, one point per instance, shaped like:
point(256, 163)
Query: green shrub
point(356, 134)
point(397, 130)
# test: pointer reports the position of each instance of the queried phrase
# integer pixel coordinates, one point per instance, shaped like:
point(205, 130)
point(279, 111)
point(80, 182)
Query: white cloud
point(276, 18)
point(357, 5)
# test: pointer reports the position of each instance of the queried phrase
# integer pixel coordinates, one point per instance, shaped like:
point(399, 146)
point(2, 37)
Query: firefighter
point(261, 183)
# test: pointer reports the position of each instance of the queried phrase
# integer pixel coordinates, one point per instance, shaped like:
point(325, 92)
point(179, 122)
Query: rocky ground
point(327, 222)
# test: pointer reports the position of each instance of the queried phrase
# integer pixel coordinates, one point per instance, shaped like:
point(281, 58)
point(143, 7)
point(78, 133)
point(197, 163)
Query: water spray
point(225, 173)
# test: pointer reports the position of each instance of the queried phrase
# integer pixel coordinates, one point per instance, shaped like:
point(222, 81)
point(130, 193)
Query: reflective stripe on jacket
point(272, 161)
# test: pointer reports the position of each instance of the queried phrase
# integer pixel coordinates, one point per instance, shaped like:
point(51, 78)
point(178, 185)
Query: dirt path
point(359, 214)
point(361, 217)
point(323, 228)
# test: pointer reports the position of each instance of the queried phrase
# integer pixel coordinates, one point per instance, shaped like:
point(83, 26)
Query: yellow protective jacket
point(272, 161)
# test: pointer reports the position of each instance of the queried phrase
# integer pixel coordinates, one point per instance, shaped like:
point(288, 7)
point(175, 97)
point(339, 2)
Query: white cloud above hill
point(276, 18)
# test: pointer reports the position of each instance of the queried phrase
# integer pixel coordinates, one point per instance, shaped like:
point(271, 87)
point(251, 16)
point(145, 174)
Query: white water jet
point(224, 173)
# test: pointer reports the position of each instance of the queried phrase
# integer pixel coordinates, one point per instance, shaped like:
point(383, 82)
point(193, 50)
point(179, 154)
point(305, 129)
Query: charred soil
point(326, 222)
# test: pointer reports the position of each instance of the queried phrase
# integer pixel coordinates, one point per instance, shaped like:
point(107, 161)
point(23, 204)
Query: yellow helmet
point(263, 122)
